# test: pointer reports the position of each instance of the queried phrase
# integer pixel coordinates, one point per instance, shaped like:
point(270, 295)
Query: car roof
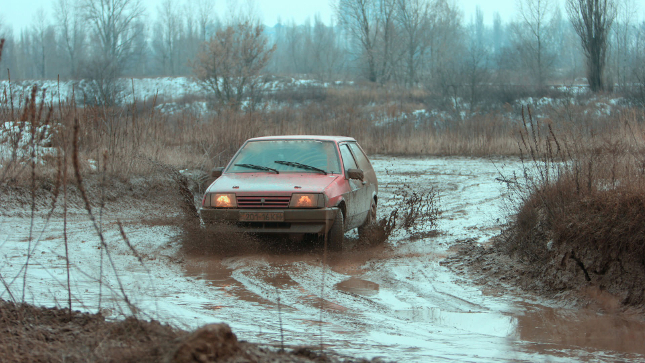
point(305, 137)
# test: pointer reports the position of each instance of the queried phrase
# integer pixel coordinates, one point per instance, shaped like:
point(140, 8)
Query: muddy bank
point(31, 334)
point(561, 278)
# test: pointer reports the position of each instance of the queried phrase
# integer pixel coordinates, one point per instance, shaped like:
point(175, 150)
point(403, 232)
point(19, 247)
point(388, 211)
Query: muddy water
point(561, 329)
point(396, 301)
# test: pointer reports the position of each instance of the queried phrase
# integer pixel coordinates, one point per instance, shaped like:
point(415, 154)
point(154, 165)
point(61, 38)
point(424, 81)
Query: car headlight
point(220, 200)
point(309, 200)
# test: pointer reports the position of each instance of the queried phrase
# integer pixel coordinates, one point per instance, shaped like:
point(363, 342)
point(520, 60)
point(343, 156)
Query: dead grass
point(581, 206)
point(384, 120)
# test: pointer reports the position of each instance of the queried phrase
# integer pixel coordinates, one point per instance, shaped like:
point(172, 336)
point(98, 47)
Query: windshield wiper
point(299, 165)
point(257, 167)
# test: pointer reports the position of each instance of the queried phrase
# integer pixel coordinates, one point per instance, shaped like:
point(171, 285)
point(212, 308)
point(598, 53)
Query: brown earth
point(32, 334)
point(561, 278)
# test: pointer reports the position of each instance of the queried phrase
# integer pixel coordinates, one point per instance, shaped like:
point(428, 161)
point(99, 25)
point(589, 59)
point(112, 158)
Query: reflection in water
point(221, 277)
point(486, 323)
point(581, 329)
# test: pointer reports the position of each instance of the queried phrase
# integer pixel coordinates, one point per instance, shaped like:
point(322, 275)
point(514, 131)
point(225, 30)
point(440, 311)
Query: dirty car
point(297, 185)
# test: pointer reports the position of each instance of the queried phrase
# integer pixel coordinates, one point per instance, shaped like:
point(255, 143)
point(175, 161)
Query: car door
point(370, 185)
point(354, 199)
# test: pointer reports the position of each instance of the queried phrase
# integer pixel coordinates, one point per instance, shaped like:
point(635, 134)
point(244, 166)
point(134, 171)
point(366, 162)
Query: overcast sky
point(20, 13)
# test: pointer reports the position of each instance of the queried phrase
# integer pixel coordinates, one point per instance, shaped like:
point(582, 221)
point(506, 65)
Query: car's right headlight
point(220, 200)
point(307, 200)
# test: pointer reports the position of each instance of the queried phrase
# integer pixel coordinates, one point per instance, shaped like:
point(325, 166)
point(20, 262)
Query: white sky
point(20, 13)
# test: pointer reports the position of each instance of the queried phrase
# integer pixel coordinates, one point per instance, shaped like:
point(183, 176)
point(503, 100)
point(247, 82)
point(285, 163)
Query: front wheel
point(363, 230)
point(336, 234)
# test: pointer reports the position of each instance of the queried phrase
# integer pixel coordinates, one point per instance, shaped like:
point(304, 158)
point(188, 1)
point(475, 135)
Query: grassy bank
point(130, 140)
point(580, 220)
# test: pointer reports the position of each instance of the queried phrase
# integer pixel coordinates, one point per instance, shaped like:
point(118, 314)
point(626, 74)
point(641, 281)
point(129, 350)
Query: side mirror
point(217, 172)
point(355, 174)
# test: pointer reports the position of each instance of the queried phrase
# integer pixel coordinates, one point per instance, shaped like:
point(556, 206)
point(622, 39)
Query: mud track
point(401, 300)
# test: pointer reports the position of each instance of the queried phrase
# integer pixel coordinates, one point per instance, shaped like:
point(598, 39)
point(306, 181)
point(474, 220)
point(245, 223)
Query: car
point(295, 185)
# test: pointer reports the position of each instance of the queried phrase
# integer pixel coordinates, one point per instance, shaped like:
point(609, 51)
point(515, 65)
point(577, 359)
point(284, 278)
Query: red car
point(295, 185)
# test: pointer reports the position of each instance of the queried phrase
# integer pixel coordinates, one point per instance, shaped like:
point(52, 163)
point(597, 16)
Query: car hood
point(253, 183)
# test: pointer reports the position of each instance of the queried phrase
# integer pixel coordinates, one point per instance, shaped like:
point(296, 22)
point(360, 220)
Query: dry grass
point(383, 120)
point(581, 214)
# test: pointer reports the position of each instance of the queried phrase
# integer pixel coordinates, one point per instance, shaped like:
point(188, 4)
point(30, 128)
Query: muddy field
point(412, 298)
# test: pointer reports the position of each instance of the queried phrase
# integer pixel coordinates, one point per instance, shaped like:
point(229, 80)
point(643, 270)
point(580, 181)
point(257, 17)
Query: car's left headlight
point(220, 200)
point(307, 200)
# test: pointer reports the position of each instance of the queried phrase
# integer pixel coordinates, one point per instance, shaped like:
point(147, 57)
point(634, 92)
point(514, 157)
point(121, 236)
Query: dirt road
point(393, 300)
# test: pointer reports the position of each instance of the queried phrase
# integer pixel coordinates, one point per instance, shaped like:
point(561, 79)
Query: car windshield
point(287, 156)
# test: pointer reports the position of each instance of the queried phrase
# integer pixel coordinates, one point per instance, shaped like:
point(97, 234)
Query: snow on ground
point(396, 301)
point(166, 89)
point(185, 94)
point(18, 142)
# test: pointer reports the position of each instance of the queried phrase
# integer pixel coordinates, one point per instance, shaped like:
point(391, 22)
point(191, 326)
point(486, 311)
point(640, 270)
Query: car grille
point(263, 202)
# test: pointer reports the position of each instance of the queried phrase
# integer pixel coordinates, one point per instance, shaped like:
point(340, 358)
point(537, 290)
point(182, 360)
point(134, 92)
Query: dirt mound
point(31, 334)
point(211, 343)
point(603, 246)
point(592, 247)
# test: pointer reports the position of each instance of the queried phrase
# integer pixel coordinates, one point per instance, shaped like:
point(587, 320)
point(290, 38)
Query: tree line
point(411, 43)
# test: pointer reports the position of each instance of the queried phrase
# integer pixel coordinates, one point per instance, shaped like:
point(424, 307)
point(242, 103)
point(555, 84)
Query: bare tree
point(638, 70)
point(446, 42)
point(114, 31)
point(360, 19)
point(206, 18)
point(372, 27)
point(327, 55)
point(498, 34)
point(39, 34)
point(113, 25)
point(389, 52)
point(242, 11)
point(231, 63)
point(592, 20)
point(168, 36)
point(475, 67)
point(71, 30)
point(414, 23)
point(623, 41)
point(294, 47)
point(534, 38)
point(6, 62)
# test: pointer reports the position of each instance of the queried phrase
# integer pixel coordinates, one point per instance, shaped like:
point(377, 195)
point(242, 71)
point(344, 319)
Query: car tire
point(363, 230)
point(336, 234)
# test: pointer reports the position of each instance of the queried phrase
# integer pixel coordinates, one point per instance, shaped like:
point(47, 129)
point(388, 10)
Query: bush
point(580, 218)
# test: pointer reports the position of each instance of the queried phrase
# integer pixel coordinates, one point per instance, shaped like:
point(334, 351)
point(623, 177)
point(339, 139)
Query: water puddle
point(315, 302)
point(276, 277)
point(486, 323)
point(358, 286)
point(581, 328)
point(209, 270)
point(221, 277)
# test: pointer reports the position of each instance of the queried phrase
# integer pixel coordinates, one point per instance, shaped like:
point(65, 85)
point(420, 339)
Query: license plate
point(261, 216)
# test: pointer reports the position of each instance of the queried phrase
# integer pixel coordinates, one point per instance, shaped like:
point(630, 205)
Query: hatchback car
point(304, 185)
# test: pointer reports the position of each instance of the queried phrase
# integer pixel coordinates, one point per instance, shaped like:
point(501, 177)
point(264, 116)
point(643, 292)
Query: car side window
point(348, 159)
point(361, 159)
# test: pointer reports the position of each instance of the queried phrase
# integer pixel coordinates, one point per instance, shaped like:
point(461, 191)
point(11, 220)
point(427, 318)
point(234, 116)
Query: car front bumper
point(295, 221)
